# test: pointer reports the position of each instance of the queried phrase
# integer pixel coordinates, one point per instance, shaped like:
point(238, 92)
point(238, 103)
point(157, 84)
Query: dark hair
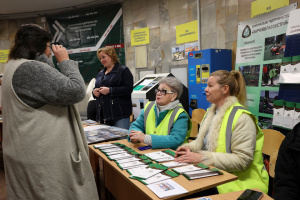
point(30, 41)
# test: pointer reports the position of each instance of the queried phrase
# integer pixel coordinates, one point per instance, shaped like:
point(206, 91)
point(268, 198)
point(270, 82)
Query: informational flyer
point(167, 188)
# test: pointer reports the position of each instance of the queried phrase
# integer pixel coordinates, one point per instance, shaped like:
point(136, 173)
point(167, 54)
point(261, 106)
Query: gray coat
point(44, 147)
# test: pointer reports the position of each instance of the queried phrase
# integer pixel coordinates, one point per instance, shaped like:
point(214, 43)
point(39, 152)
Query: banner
point(187, 32)
point(83, 32)
point(261, 45)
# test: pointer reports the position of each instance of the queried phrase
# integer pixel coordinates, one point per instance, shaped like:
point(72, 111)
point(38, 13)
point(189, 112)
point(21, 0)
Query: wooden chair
point(272, 142)
point(197, 116)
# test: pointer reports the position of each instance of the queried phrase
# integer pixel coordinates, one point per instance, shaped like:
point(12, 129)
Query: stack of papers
point(99, 133)
point(200, 174)
point(159, 156)
point(143, 172)
point(174, 164)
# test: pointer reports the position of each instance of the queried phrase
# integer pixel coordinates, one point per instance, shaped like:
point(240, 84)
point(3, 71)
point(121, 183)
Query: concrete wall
point(219, 23)
point(219, 26)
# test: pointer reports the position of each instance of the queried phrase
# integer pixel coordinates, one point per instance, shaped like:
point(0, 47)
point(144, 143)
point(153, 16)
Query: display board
point(260, 47)
point(83, 32)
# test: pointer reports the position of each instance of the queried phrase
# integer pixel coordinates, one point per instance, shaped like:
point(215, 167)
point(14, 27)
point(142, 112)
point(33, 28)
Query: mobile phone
point(250, 195)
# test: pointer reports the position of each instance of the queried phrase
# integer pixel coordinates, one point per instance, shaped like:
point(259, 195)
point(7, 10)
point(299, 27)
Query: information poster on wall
point(140, 36)
point(83, 32)
point(187, 32)
point(261, 7)
point(260, 47)
point(4, 56)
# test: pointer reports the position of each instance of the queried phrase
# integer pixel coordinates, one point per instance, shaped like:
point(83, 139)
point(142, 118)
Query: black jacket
point(287, 169)
point(116, 104)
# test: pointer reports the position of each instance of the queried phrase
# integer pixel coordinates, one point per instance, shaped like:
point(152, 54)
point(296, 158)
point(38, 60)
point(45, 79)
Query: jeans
point(121, 123)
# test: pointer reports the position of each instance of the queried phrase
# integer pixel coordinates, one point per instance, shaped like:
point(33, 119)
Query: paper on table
point(159, 156)
point(200, 174)
point(143, 173)
point(156, 178)
point(128, 160)
point(166, 188)
point(174, 164)
point(164, 159)
point(120, 156)
point(104, 146)
point(184, 169)
point(129, 165)
point(114, 152)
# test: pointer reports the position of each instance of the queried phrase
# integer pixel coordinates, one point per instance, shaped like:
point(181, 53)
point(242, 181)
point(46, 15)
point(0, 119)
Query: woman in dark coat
point(113, 88)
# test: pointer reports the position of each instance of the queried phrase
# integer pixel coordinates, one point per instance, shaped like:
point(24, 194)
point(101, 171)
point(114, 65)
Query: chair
point(197, 116)
point(271, 146)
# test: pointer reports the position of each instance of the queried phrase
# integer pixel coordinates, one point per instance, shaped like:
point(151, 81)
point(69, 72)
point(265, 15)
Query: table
point(232, 195)
point(117, 182)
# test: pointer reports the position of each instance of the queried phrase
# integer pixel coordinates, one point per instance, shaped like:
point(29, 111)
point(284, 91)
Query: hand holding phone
point(250, 195)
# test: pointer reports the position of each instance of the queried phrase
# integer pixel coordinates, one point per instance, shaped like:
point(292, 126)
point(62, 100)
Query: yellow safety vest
point(164, 128)
point(255, 176)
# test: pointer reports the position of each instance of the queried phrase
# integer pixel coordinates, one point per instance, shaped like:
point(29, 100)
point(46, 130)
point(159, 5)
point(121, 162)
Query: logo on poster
point(246, 32)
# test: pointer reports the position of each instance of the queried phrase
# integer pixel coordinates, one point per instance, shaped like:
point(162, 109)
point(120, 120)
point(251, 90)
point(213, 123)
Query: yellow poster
point(260, 7)
point(3, 56)
point(140, 36)
point(187, 32)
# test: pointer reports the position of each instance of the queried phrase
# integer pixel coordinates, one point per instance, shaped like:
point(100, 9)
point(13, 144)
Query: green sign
point(83, 32)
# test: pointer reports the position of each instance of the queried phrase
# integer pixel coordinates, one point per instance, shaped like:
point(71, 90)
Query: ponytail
point(236, 83)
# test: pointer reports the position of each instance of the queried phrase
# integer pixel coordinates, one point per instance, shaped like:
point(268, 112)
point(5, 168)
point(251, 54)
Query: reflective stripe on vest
point(147, 111)
point(172, 117)
point(229, 127)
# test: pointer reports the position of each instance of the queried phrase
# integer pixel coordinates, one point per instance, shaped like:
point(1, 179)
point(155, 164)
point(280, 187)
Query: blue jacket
point(177, 134)
point(116, 104)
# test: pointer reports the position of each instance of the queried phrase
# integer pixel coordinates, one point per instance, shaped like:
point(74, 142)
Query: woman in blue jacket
point(113, 88)
point(163, 123)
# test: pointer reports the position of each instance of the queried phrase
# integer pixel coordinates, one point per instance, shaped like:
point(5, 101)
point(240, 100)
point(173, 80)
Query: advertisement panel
point(260, 47)
point(83, 32)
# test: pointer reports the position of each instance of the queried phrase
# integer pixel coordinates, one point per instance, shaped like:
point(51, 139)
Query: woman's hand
point(136, 136)
point(184, 155)
point(182, 151)
point(60, 53)
point(96, 92)
point(104, 90)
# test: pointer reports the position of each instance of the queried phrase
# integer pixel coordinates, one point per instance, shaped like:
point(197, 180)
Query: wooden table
point(232, 196)
point(122, 187)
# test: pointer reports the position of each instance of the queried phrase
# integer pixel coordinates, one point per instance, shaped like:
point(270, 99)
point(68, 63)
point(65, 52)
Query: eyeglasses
point(163, 92)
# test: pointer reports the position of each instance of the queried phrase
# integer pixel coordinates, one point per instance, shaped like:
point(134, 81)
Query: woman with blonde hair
point(229, 137)
point(113, 88)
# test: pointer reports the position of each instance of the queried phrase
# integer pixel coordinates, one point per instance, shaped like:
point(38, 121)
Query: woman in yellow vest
point(229, 137)
point(163, 123)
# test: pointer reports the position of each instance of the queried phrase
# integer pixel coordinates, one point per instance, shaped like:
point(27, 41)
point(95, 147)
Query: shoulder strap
point(171, 121)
